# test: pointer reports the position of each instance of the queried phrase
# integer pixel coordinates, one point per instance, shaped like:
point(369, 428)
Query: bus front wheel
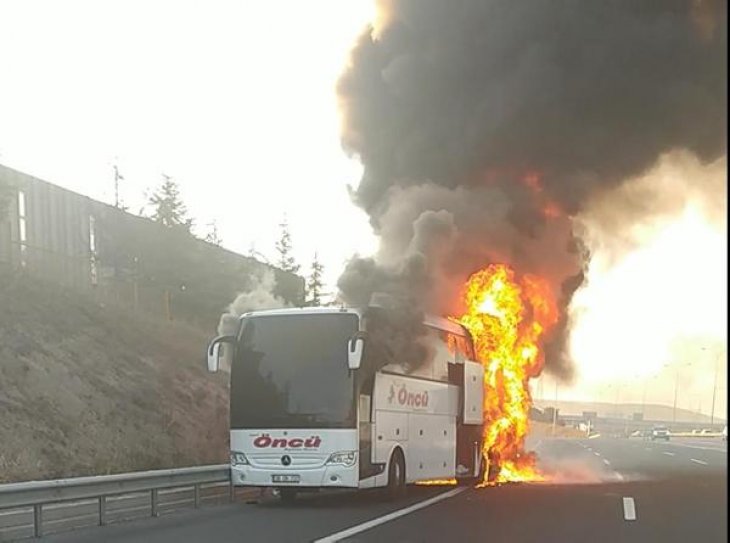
point(396, 476)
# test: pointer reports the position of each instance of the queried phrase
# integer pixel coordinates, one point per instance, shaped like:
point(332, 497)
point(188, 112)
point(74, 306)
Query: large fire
point(508, 316)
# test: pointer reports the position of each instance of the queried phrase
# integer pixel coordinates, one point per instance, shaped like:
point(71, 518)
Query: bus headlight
point(344, 458)
point(238, 459)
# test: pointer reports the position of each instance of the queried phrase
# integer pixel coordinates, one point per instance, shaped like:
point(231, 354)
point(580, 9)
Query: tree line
point(167, 207)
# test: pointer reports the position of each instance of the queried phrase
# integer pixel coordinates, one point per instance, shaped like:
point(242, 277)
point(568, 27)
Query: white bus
point(313, 406)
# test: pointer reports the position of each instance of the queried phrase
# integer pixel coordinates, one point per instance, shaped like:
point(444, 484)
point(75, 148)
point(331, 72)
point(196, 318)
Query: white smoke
point(259, 296)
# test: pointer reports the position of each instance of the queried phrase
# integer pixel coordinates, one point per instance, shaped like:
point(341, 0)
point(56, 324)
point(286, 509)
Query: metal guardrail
point(696, 434)
point(39, 493)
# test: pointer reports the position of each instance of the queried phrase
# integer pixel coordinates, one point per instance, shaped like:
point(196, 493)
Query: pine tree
point(167, 206)
point(284, 248)
point(314, 282)
point(212, 236)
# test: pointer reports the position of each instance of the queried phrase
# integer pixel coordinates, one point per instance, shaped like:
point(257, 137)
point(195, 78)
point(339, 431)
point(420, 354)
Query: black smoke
point(454, 108)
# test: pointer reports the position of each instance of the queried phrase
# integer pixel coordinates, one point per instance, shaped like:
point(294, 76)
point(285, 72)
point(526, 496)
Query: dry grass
point(87, 389)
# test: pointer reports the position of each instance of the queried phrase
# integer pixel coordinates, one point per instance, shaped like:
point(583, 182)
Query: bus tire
point(288, 495)
point(483, 469)
point(396, 476)
point(492, 471)
point(479, 479)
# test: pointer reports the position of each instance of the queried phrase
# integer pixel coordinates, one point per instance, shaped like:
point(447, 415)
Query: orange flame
point(551, 210)
point(508, 317)
point(437, 482)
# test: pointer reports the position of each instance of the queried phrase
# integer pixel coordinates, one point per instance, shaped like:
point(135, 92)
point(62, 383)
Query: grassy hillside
point(87, 389)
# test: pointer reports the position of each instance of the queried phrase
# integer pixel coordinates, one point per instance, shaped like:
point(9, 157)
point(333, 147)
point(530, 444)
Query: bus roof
point(429, 320)
point(303, 311)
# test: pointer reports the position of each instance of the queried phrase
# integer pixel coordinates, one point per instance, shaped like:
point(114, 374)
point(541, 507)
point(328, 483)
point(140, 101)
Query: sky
point(651, 317)
point(236, 101)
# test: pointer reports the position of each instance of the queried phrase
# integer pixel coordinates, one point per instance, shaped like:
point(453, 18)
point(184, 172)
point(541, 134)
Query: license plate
point(285, 478)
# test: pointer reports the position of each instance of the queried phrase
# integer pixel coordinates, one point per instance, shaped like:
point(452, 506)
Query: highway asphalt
point(601, 489)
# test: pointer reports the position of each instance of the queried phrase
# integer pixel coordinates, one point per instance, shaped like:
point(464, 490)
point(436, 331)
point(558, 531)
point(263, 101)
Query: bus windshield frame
point(290, 371)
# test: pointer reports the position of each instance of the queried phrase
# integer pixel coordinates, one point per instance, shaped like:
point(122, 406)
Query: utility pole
point(676, 387)
point(714, 390)
point(117, 178)
point(555, 409)
point(714, 385)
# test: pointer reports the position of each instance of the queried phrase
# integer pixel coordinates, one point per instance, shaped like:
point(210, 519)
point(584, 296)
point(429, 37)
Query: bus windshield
point(290, 371)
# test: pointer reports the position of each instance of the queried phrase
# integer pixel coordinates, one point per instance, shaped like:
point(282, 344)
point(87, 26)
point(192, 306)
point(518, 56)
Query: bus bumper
point(335, 476)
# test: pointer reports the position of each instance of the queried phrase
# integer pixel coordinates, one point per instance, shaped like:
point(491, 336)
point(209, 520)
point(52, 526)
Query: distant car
point(660, 432)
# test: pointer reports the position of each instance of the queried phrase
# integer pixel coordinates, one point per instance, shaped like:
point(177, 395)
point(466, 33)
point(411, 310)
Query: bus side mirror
point(354, 352)
point(215, 351)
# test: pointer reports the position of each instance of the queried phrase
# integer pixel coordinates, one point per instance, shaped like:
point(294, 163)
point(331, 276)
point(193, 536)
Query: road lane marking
point(339, 536)
point(619, 476)
point(597, 454)
point(697, 461)
point(606, 462)
point(629, 508)
point(668, 453)
point(590, 448)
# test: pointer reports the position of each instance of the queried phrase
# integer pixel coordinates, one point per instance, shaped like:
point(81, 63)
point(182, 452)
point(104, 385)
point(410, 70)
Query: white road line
point(629, 508)
point(668, 453)
point(606, 462)
point(619, 476)
point(697, 461)
point(387, 518)
point(597, 454)
point(590, 448)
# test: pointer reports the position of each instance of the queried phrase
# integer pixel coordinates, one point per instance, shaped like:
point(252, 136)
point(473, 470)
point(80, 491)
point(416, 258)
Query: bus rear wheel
point(396, 476)
point(471, 480)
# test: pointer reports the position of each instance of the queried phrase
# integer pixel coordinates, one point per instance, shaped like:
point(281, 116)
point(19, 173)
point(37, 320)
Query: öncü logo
point(265, 440)
point(412, 399)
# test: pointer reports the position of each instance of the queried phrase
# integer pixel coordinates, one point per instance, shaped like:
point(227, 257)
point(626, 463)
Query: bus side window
point(456, 347)
point(425, 367)
point(465, 348)
point(442, 355)
point(469, 349)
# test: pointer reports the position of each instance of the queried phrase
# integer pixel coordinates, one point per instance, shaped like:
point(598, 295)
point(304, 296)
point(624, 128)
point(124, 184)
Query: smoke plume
point(260, 295)
point(484, 127)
